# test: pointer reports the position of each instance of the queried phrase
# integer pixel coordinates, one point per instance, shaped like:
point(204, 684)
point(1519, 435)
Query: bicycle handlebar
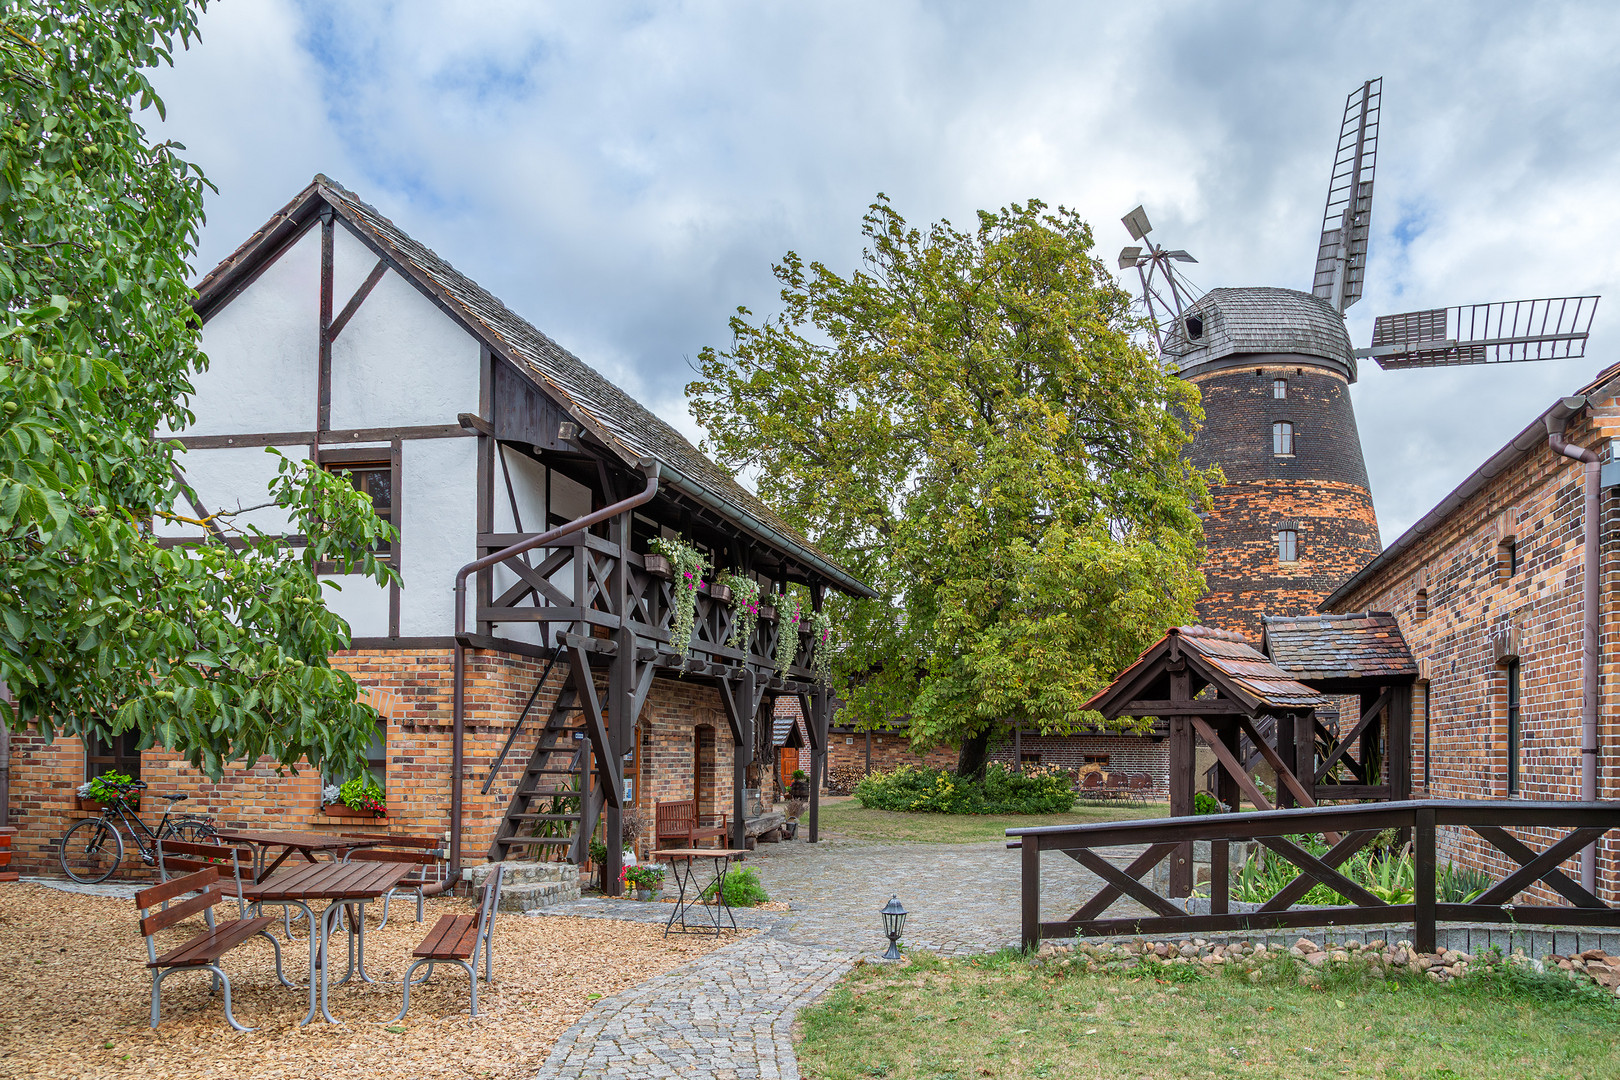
point(135, 785)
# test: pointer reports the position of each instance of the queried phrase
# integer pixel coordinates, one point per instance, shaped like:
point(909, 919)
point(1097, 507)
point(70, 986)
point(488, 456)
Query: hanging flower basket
point(686, 578)
point(745, 591)
point(767, 613)
point(787, 636)
point(719, 593)
point(658, 566)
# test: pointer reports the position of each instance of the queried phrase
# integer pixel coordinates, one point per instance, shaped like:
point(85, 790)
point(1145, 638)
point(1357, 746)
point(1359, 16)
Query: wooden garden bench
point(202, 952)
point(457, 939)
point(679, 820)
point(427, 853)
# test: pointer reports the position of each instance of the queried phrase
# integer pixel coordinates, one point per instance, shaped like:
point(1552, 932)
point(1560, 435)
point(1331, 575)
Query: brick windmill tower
point(1294, 517)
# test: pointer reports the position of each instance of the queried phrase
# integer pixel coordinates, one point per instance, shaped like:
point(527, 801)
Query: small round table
point(683, 859)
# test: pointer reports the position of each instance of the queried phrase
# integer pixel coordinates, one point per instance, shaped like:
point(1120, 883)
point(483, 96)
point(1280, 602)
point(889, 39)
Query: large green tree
point(219, 650)
point(968, 423)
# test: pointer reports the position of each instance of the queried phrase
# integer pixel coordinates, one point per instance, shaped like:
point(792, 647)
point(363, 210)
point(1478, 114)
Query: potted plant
point(646, 880)
point(791, 614)
point(745, 601)
point(687, 578)
point(793, 810)
point(800, 788)
point(658, 566)
point(97, 794)
point(596, 856)
point(361, 797)
point(720, 594)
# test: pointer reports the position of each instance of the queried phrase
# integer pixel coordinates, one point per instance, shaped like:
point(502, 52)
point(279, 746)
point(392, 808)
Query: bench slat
point(162, 920)
point(172, 888)
point(428, 842)
point(445, 940)
point(209, 946)
point(375, 855)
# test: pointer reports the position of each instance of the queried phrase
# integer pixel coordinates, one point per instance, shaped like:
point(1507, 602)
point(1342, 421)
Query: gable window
point(1512, 727)
point(1279, 388)
point(374, 479)
point(1420, 605)
point(1282, 439)
point(1287, 545)
point(1507, 559)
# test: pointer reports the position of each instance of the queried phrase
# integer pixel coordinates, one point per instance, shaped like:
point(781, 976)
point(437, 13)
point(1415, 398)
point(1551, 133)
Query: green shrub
point(1205, 803)
point(925, 790)
point(743, 888)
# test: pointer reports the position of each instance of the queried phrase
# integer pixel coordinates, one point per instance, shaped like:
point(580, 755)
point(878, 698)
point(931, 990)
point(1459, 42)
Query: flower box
point(719, 593)
point(338, 810)
point(658, 566)
point(767, 613)
point(90, 806)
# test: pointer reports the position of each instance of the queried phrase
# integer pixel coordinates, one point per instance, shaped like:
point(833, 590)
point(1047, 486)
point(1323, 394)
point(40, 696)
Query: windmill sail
point(1341, 260)
point(1513, 330)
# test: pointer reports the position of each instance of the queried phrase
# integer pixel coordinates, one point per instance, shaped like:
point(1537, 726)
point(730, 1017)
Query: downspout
point(459, 678)
point(1591, 541)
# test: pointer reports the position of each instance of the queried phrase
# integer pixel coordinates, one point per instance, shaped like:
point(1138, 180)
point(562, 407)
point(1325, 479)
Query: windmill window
point(1513, 727)
point(1195, 328)
point(1507, 559)
point(1282, 439)
point(1420, 605)
point(1287, 545)
point(1279, 388)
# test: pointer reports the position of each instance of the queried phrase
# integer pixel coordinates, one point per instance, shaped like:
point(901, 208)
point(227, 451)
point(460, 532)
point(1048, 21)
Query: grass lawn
point(996, 1017)
point(846, 817)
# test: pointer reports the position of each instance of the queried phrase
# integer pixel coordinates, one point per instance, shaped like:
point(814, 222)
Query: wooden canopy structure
point(1364, 655)
point(1212, 685)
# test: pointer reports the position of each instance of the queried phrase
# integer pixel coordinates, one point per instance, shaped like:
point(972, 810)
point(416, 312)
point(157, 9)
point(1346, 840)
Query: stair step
point(557, 840)
point(570, 771)
point(546, 793)
point(542, 817)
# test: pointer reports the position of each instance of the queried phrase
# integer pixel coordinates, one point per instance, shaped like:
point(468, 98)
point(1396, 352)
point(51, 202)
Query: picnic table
point(306, 844)
point(682, 859)
point(345, 885)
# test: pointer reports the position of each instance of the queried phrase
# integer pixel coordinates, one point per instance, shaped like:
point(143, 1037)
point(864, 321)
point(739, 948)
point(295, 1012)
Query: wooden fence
point(1348, 829)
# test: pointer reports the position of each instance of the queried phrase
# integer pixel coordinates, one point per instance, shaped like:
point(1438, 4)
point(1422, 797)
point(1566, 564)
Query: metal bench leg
point(276, 945)
point(405, 1007)
point(228, 1015)
point(387, 896)
point(419, 899)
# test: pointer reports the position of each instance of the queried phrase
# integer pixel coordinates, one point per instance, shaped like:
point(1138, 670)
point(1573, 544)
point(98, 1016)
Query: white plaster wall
point(401, 362)
point(262, 351)
point(529, 489)
point(230, 477)
point(438, 531)
point(570, 500)
point(361, 602)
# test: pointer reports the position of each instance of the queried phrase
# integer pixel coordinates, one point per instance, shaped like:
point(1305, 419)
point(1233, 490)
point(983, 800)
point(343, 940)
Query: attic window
point(1420, 605)
point(1195, 328)
point(1507, 559)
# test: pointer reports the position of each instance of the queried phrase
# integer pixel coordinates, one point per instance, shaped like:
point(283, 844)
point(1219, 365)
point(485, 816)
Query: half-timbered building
point(525, 663)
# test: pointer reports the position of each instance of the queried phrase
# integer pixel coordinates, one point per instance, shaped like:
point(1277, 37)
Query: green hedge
point(926, 790)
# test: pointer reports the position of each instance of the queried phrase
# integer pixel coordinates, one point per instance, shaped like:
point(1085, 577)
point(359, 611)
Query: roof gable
point(1214, 658)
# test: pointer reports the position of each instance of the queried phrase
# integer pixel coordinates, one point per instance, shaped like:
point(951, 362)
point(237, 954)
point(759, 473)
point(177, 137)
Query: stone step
point(529, 886)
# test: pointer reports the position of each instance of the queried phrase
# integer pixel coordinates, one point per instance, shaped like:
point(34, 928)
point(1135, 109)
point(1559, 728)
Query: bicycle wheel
point(191, 830)
point(91, 851)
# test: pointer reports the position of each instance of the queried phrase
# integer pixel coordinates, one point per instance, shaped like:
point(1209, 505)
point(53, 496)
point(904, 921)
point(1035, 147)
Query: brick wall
point(1456, 572)
point(889, 750)
point(1125, 753)
point(418, 681)
point(1320, 492)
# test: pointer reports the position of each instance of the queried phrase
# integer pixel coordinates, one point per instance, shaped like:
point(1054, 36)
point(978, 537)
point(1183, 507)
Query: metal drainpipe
point(1591, 542)
point(459, 678)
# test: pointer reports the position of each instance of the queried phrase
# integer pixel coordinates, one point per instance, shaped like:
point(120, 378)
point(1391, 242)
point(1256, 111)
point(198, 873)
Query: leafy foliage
point(105, 788)
point(743, 888)
point(218, 650)
point(689, 568)
point(1205, 803)
point(363, 793)
point(1389, 875)
point(745, 602)
point(967, 424)
point(921, 789)
point(790, 615)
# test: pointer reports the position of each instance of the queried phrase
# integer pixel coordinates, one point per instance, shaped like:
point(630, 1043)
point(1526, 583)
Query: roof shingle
point(1322, 648)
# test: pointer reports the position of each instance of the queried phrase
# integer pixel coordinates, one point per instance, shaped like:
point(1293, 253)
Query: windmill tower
point(1294, 517)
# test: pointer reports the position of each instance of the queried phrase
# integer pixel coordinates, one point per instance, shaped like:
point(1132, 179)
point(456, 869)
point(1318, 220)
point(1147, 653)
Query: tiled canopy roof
point(1224, 659)
point(622, 423)
point(1320, 648)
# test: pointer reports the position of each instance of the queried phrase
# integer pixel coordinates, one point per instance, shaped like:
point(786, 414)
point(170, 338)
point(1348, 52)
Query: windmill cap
point(1225, 324)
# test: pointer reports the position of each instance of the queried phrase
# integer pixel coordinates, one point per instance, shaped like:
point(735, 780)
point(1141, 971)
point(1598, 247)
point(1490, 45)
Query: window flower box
point(90, 806)
point(338, 810)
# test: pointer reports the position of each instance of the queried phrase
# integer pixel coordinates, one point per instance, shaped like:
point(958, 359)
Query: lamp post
point(894, 920)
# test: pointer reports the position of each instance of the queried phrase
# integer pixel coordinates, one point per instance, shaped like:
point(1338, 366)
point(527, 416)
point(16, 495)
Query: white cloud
point(624, 174)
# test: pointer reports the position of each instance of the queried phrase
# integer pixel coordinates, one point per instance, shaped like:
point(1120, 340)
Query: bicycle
point(91, 850)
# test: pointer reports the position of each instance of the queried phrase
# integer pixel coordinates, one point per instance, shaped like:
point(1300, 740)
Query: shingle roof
point(621, 422)
point(1225, 658)
point(1319, 648)
point(1263, 320)
point(788, 716)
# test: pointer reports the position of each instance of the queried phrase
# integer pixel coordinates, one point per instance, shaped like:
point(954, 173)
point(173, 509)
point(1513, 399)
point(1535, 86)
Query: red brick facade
point(682, 729)
point(1464, 611)
point(1318, 491)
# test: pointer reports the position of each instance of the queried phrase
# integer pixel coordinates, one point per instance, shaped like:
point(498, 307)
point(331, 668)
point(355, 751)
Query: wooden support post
point(1423, 854)
point(1220, 875)
point(1181, 799)
point(869, 752)
point(1227, 784)
point(1283, 737)
point(1030, 893)
point(817, 757)
point(1305, 752)
point(1018, 749)
point(742, 753)
point(1398, 744)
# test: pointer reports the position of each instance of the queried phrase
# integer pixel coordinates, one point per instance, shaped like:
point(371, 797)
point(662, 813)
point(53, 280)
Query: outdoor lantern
point(894, 921)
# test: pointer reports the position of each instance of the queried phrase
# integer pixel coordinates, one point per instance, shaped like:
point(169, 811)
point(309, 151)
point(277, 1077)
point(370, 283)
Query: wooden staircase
point(546, 809)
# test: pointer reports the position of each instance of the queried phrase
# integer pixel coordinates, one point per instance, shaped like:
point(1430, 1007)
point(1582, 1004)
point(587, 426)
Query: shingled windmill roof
point(622, 423)
point(1226, 660)
point(1241, 322)
point(1319, 649)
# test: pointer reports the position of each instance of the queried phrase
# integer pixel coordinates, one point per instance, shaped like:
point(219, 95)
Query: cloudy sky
point(625, 174)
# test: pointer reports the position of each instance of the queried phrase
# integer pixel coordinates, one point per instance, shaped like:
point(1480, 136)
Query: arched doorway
point(703, 768)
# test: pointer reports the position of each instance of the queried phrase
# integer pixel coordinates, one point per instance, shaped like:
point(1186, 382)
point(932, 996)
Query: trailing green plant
point(104, 788)
point(363, 793)
point(743, 888)
point(644, 877)
point(598, 852)
point(821, 647)
point(563, 801)
point(688, 566)
point(926, 790)
point(745, 602)
point(1205, 803)
point(789, 617)
point(1389, 875)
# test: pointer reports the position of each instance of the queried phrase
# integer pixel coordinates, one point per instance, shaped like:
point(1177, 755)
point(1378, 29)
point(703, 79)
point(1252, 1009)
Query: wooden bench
point(679, 820)
point(202, 952)
point(457, 939)
point(428, 853)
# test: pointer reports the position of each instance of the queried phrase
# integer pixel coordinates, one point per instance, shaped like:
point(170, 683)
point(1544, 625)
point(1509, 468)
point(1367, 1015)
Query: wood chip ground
point(74, 994)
